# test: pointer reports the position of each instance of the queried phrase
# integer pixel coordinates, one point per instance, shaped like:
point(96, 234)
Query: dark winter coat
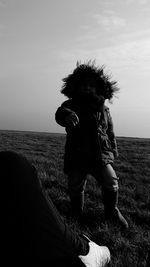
point(92, 142)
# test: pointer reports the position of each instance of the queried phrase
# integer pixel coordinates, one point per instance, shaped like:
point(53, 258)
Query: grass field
point(45, 151)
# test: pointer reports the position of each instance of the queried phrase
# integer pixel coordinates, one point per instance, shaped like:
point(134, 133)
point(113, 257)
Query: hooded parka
point(91, 143)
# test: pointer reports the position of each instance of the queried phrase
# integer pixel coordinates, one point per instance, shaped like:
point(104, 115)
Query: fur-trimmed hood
point(83, 72)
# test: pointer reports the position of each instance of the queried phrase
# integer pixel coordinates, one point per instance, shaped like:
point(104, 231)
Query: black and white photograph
point(75, 133)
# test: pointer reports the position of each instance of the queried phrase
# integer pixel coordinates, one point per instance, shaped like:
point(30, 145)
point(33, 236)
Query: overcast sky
point(40, 43)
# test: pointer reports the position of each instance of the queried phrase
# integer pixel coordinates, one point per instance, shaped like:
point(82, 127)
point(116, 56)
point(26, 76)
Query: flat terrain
point(46, 150)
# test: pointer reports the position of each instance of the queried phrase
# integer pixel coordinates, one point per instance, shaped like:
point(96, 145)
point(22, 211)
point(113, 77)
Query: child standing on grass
point(90, 143)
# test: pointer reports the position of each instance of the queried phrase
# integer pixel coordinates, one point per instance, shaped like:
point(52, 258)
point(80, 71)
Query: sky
point(40, 43)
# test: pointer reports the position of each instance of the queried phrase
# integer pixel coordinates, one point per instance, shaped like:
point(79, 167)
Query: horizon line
point(61, 133)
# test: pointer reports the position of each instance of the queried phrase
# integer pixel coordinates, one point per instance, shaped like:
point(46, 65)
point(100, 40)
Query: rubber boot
point(77, 205)
point(112, 213)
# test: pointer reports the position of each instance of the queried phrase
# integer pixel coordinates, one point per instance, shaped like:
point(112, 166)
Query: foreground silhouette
point(34, 234)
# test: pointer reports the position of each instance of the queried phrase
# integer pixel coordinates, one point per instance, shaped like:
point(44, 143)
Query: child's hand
point(72, 119)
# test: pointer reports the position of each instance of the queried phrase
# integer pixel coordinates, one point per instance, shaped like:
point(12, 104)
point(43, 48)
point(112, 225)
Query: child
point(90, 143)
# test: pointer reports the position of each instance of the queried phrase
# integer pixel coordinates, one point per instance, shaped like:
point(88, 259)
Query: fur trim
point(87, 72)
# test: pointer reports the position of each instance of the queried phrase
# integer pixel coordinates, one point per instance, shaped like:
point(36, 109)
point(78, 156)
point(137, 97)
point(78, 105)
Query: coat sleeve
point(111, 134)
point(62, 112)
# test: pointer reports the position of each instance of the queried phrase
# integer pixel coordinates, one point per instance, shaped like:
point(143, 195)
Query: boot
point(112, 213)
point(77, 204)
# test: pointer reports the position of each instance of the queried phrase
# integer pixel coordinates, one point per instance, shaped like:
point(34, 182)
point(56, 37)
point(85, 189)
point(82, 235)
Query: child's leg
point(76, 185)
point(109, 178)
point(109, 183)
point(33, 227)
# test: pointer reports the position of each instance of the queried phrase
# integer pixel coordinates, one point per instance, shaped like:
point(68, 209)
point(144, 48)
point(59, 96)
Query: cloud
point(103, 26)
point(109, 21)
point(130, 56)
